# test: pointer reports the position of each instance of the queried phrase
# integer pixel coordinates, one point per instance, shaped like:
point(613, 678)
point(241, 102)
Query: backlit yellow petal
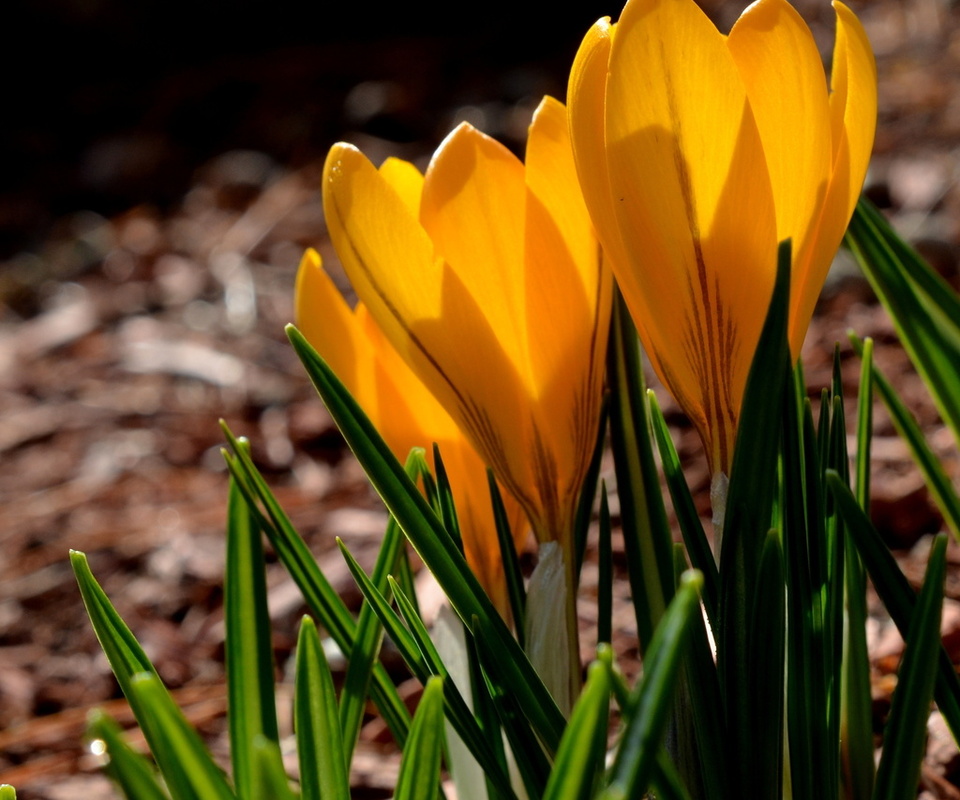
point(782, 71)
point(853, 109)
point(568, 292)
point(406, 180)
point(473, 209)
point(586, 97)
point(425, 308)
point(405, 413)
point(854, 99)
point(383, 248)
point(694, 206)
point(326, 320)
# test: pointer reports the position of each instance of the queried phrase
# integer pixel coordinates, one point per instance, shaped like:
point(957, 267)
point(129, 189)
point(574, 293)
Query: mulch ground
point(124, 337)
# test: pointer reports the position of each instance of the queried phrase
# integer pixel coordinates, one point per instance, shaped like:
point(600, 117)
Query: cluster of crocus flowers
point(697, 153)
point(486, 277)
point(405, 413)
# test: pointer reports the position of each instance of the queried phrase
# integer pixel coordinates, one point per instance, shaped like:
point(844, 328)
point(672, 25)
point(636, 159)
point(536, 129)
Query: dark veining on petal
point(707, 338)
point(482, 428)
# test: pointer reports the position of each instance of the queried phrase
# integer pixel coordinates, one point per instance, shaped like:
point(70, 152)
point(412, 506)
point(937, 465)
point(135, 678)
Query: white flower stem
point(552, 635)
point(719, 485)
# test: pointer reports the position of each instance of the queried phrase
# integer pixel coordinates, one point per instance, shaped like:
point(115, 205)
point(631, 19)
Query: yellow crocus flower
point(698, 152)
point(405, 413)
point(485, 275)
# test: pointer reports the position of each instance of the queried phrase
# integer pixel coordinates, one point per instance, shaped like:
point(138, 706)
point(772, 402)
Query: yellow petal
point(326, 320)
point(853, 101)
point(586, 97)
point(694, 205)
point(471, 496)
point(568, 295)
point(405, 413)
point(425, 308)
point(853, 109)
point(473, 209)
point(783, 74)
point(383, 248)
point(406, 180)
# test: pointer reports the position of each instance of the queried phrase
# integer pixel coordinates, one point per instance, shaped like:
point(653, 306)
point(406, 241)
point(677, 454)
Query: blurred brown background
point(160, 167)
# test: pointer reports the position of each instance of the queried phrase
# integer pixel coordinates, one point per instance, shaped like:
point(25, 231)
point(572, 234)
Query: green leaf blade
point(323, 768)
point(420, 766)
point(905, 735)
point(251, 701)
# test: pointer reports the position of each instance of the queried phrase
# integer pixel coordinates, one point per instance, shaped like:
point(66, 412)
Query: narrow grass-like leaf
point(448, 512)
point(856, 711)
point(420, 766)
point(133, 774)
point(685, 733)
point(588, 494)
point(390, 620)
point(418, 630)
point(939, 484)
point(646, 533)
point(605, 571)
point(650, 703)
point(925, 311)
point(752, 490)
point(834, 598)
point(702, 689)
point(580, 759)
point(323, 768)
point(366, 647)
point(511, 562)
point(896, 594)
point(529, 757)
point(666, 780)
point(806, 703)
point(405, 576)
point(123, 651)
point(189, 771)
point(251, 701)
point(274, 781)
point(423, 669)
point(426, 533)
point(157, 714)
point(319, 595)
point(698, 547)
point(864, 424)
point(904, 741)
point(766, 695)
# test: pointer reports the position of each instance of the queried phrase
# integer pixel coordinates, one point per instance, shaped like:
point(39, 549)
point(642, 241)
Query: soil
point(143, 298)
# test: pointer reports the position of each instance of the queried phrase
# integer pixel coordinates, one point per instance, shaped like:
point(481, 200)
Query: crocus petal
point(568, 293)
point(325, 319)
point(373, 231)
point(789, 103)
point(405, 413)
point(491, 288)
point(473, 210)
point(790, 107)
point(406, 180)
point(685, 161)
point(711, 149)
point(853, 111)
point(426, 308)
point(853, 101)
point(586, 98)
